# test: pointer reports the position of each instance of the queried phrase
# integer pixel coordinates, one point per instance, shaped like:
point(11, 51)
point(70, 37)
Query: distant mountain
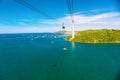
point(65, 32)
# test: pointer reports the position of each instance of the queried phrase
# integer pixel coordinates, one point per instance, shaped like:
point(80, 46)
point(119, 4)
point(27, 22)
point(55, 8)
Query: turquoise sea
point(41, 56)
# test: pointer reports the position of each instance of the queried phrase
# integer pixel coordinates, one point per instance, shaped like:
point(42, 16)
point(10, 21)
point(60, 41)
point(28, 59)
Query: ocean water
point(41, 56)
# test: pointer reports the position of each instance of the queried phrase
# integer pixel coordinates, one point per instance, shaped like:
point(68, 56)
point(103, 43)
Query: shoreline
point(116, 42)
point(102, 36)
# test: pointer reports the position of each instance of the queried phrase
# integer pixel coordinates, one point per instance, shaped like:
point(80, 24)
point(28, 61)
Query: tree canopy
point(97, 36)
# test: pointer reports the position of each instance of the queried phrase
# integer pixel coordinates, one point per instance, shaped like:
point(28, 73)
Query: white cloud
point(30, 29)
point(26, 20)
point(22, 23)
point(105, 20)
point(101, 10)
point(81, 19)
point(82, 22)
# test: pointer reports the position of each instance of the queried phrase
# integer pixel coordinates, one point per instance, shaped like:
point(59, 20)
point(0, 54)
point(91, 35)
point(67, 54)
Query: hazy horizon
point(17, 18)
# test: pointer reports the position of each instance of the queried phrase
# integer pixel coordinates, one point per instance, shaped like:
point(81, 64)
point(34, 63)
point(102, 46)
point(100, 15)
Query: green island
point(96, 36)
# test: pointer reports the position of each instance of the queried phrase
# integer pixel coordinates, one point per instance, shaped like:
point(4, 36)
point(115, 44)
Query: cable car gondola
point(63, 27)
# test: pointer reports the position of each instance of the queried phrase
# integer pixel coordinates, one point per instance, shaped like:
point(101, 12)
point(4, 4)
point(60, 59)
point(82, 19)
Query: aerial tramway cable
point(26, 4)
point(69, 4)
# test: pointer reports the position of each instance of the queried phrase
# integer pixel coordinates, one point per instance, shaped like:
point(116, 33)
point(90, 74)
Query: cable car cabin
point(63, 27)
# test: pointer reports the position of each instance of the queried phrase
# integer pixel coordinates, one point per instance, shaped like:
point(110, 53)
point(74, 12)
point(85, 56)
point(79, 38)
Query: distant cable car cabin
point(63, 27)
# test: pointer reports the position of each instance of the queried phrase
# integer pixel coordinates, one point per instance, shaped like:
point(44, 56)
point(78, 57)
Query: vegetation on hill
point(97, 36)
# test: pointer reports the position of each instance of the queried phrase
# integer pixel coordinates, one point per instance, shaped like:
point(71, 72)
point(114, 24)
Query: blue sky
point(89, 14)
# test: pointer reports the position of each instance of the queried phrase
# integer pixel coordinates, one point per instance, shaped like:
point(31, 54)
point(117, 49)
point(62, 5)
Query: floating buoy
point(54, 65)
point(64, 49)
point(52, 42)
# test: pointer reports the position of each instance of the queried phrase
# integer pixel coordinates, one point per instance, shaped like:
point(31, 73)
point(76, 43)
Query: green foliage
point(97, 36)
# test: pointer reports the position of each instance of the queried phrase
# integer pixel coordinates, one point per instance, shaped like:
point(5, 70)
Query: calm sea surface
point(42, 57)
